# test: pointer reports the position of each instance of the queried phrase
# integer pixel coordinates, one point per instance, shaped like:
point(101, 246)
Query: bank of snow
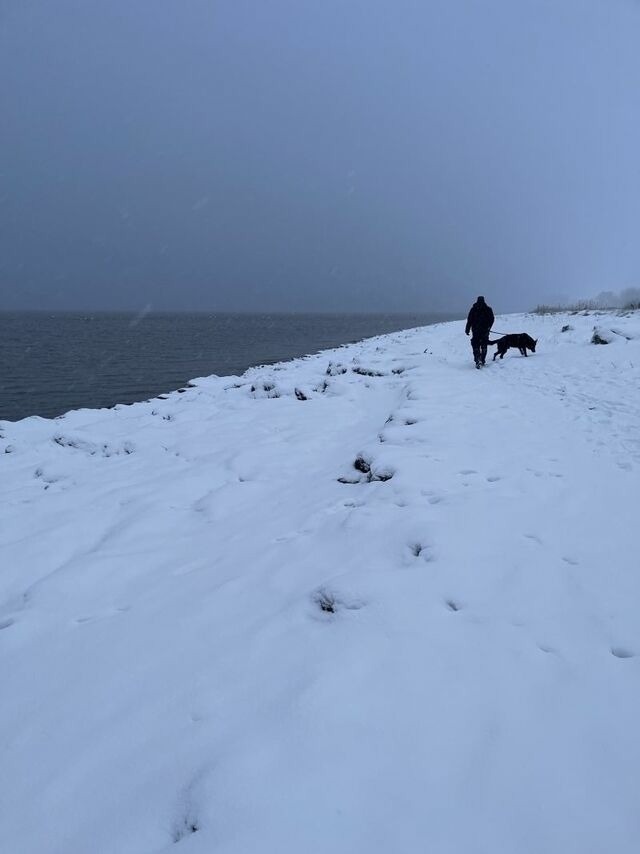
point(218, 634)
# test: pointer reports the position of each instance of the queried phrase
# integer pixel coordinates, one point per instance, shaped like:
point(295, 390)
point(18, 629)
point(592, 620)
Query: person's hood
point(480, 301)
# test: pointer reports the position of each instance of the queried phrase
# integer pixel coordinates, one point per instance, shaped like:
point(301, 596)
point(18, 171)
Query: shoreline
point(121, 359)
point(372, 584)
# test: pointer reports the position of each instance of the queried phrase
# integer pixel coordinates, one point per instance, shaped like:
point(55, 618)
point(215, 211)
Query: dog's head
point(531, 343)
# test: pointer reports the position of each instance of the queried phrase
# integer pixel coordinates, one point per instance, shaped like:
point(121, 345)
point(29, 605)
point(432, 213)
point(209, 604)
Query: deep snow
point(212, 641)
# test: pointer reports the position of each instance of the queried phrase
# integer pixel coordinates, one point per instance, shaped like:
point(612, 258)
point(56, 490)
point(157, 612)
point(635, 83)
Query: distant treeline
point(626, 300)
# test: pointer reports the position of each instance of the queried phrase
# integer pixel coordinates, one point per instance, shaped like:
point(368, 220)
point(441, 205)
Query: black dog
point(521, 340)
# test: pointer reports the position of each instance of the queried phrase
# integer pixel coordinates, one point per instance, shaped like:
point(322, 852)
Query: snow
point(217, 634)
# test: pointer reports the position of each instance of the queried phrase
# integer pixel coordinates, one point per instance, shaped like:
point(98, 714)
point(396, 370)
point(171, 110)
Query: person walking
point(479, 323)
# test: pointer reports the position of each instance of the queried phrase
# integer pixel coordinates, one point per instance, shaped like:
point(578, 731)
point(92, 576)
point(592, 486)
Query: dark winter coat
point(480, 319)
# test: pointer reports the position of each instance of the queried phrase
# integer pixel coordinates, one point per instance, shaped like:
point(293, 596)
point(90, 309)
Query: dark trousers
point(479, 341)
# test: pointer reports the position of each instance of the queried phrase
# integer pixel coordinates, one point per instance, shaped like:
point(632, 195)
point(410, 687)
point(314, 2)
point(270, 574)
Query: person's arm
point(492, 318)
point(468, 326)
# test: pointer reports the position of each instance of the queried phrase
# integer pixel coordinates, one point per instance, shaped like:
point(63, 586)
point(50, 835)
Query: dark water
point(50, 363)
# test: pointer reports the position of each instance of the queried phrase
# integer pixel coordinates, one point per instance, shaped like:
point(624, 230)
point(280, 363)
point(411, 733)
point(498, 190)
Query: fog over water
point(317, 156)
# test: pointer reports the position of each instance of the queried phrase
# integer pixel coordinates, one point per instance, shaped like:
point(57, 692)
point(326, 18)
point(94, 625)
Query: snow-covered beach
point(219, 634)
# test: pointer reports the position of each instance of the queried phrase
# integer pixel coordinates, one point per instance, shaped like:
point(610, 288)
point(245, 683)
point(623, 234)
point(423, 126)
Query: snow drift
point(372, 600)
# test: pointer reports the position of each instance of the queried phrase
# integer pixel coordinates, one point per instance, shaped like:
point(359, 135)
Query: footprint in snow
point(432, 497)
point(534, 538)
point(369, 470)
point(548, 650)
point(420, 550)
point(187, 822)
point(466, 473)
point(493, 478)
point(185, 828)
point(329, 602)
point(622, 652)
point(571, 561)
point(5, 624)
point(94, 618)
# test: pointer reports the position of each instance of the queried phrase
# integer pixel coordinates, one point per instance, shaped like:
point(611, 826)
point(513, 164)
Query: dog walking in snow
point(520, 340)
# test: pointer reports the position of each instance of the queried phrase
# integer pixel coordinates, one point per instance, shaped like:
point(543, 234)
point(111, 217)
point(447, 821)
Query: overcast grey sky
point(326, 155)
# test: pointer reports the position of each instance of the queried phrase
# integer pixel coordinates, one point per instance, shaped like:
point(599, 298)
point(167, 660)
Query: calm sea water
point(50, 363)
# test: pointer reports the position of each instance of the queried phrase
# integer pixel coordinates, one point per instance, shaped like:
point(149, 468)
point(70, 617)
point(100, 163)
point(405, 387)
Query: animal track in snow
point(571, 561)
point(452, 605)
point(5, 624)
point(494, 478)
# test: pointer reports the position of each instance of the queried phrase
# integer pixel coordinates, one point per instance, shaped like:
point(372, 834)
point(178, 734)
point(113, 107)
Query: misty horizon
point(238, 313)
point(343, 157)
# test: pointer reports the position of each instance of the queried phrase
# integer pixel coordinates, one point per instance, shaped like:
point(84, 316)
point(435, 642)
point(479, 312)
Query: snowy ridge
point(372, 600)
